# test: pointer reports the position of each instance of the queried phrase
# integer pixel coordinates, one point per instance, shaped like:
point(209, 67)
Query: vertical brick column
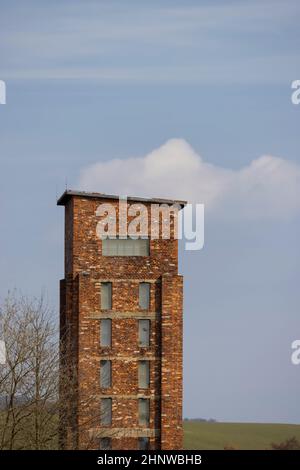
point(68, 363)
point(171, 362)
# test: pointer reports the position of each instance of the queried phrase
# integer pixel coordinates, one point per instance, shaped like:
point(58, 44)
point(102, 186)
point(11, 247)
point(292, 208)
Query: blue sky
point(90, 82)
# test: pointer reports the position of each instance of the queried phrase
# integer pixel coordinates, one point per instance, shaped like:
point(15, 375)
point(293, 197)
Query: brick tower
point(121, 332)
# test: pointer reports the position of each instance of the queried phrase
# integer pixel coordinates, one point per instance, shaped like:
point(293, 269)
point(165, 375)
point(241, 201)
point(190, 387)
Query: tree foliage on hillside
point(289, 444)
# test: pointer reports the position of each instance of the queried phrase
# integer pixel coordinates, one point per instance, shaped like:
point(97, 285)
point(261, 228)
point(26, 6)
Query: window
point(105, 443)
point(125, 247)
point(144, 411)
point(105, 332)
point(144, 374)
point(105, 374)
point(106, 296)
point(143, 443)
point(106, 412)
point(144, 333)
point(144, 295)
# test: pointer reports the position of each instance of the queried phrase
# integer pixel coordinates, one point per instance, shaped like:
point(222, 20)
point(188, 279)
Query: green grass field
point(243, 436)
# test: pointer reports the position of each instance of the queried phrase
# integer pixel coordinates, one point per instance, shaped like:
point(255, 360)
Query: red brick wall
point(85, 269)
point(171, 364)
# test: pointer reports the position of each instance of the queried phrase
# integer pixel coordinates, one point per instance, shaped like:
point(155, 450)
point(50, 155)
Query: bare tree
point(29, 379)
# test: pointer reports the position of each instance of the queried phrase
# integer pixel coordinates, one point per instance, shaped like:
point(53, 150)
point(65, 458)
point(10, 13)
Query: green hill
point(205, 436)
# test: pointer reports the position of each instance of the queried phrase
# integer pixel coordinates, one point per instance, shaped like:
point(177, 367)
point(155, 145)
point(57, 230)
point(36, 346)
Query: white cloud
point(269, 187)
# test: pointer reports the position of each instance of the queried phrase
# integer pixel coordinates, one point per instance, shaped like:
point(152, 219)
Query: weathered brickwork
point(80, 323)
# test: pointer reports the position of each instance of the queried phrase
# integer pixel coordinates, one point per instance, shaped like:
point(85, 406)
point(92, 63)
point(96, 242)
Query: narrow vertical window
point(144, 443)
point(106, 411)
point(106, 295)
point(144, 374)
point(105, 374)
point(105, 443)
point(144, 333)
point(144, 411)
point(144, 295)
point(105, 332)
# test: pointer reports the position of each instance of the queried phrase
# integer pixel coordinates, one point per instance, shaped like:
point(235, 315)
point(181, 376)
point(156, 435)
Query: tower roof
point(69, 193)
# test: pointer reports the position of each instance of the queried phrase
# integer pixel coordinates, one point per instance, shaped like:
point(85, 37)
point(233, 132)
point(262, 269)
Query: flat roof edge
point(66, 196)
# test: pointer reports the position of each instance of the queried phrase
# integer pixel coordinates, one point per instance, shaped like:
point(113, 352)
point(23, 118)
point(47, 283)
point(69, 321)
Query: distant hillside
point(201, 420)
point(207, 435)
